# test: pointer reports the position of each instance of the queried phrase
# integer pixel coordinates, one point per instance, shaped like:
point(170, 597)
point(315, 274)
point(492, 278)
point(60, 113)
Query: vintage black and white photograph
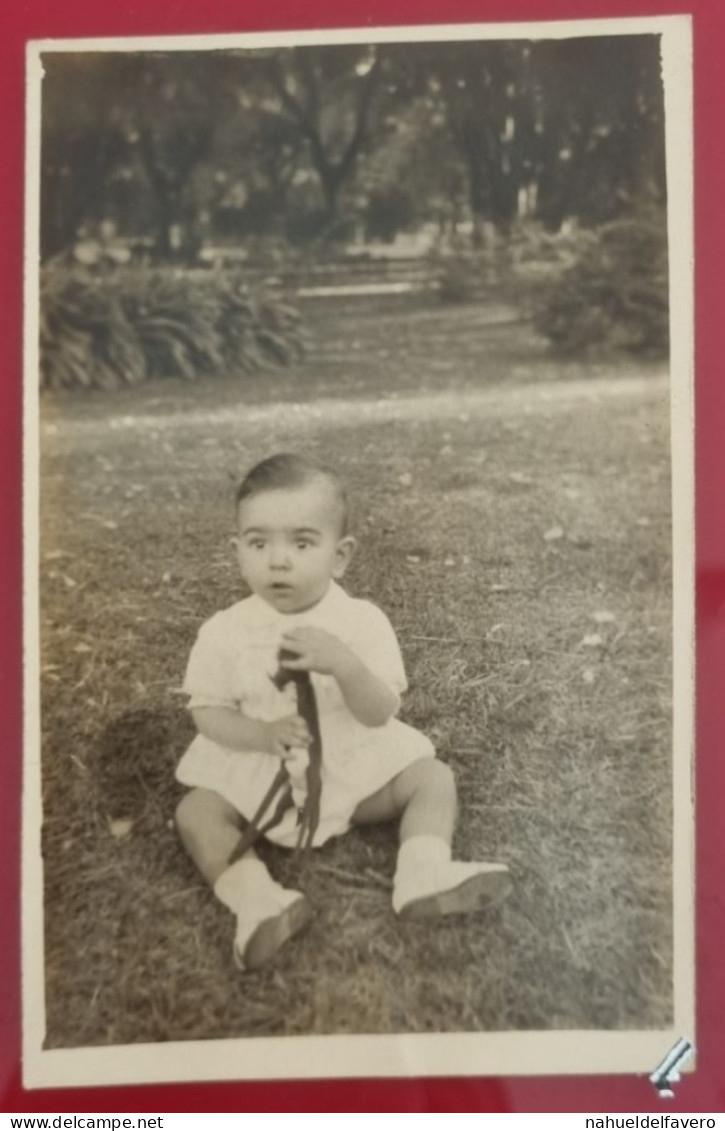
point(359, 671)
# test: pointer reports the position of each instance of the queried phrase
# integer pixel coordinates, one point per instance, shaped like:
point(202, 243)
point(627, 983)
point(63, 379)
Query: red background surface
point(701, 1091)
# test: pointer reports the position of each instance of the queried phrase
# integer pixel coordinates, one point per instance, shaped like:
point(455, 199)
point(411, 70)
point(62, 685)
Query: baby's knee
point(435, 776)
point(197, 810)
point(187, 815)
point(441, 775)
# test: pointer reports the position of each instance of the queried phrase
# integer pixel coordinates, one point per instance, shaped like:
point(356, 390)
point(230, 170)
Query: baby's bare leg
point(267, 914)
point(209, 828)
point(423, 795)
point(427, 882)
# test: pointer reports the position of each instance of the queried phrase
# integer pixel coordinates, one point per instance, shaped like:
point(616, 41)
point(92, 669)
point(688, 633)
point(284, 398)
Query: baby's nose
point(280, 557)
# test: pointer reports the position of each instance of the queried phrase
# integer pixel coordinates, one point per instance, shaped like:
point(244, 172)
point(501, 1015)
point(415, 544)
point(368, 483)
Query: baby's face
point(290, 545)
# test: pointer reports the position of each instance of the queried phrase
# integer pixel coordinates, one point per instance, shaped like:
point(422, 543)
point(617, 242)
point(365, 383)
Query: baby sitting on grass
point(257, 760)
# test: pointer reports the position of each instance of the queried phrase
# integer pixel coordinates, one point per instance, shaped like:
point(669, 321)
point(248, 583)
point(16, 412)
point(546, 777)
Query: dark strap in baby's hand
point(280, 787)
point(307, 710)
point(256, 827)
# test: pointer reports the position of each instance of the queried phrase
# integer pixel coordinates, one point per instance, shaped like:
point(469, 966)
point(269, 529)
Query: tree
point(328, 93)
point(258, 150)
point(83, 142)
point(414, 172)
point(133, 135)
point(599, 126)
point(488, 102)
point(576, 123)
point(167, 143)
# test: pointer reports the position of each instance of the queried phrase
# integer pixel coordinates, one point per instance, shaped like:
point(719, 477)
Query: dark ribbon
point(309, 817)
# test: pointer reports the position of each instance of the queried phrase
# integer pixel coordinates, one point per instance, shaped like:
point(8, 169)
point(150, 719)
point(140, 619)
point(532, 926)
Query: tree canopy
point(175, 148)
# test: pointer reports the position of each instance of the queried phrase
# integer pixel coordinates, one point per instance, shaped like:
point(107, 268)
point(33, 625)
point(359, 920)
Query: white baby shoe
point(261, 932)
point(267, 914)
point(428, 883)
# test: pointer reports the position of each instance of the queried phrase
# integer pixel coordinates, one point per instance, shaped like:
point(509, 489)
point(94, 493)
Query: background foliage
point(312, 141)
point(614, 296)
point(102, 330)
point(536, 165)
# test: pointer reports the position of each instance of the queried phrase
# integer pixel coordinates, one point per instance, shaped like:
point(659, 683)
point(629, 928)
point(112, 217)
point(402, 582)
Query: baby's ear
point(235, 544)
point(345, 550)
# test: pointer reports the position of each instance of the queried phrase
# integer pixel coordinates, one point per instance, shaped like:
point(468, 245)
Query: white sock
point(420, 852)
point(246, 878)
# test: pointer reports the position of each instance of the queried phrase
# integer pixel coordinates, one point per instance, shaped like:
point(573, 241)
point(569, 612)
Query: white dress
point(232, 664)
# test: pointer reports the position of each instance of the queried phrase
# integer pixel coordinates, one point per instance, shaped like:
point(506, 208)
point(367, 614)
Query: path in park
point(550, 398)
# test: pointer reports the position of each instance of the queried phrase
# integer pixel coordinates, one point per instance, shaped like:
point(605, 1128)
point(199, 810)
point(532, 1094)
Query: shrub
point(458, 279)
point(461, 273)
point(106, 329)
point(615, 296)
point(470, 269)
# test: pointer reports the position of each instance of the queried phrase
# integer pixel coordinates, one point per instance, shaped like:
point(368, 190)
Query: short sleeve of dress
point(208, 679)
point(377, 646)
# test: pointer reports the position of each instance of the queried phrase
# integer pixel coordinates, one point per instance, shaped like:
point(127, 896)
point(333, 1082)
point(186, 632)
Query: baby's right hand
point(286, 734)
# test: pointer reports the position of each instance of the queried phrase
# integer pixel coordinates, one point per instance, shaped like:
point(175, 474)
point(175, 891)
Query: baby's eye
point(256, 544)
point(302, 544)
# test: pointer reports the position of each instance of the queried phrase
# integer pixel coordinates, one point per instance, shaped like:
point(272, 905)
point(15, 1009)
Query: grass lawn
point(513, 520)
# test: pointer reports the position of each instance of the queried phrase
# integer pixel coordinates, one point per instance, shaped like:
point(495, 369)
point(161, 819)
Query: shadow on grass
point(135, 760)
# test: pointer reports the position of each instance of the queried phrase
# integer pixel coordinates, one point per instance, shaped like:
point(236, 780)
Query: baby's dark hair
point(284, 471)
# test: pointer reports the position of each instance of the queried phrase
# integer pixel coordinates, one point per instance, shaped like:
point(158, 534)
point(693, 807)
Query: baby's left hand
point(316, 651)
